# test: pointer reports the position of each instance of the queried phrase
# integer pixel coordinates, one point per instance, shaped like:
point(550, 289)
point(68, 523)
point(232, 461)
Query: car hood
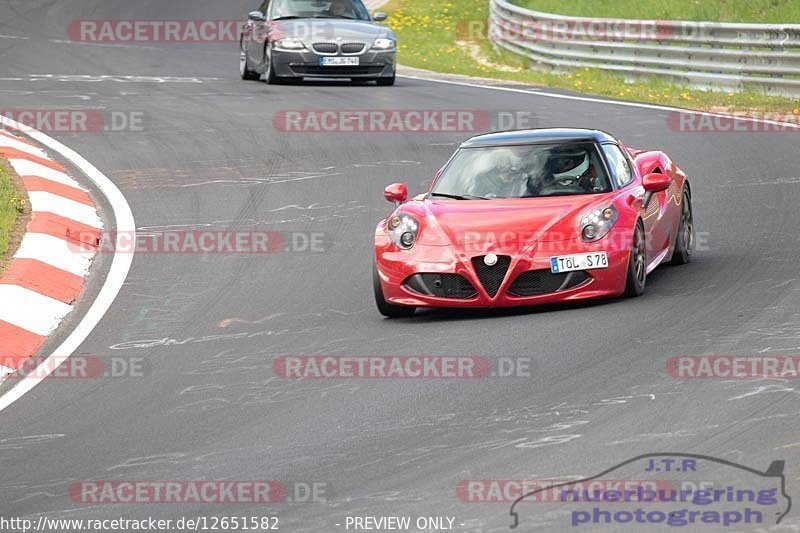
point(322, 30)
point(500, 226)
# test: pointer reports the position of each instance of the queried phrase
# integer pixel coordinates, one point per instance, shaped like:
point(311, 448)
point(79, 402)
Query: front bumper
point(395, 267)
point(306, 63)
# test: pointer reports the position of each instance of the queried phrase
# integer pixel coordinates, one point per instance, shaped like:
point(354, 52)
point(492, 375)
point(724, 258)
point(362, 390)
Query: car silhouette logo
point(679, 491)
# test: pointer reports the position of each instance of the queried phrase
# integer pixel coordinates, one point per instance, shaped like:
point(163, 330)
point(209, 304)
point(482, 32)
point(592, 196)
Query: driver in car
point(570, 167)
point(340, 8)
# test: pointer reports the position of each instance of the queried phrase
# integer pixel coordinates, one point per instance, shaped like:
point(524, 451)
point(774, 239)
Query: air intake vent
point(442, 286)
point(535, 282)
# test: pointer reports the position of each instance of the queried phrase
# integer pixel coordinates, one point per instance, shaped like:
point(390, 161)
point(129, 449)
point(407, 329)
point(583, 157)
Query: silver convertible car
point(295, 39)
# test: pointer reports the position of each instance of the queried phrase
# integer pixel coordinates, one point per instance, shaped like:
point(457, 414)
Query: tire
point(637, 264)
point(244, 65)
point(684, 240)
point(269, 73)
point(385, 82)
point(384, 307)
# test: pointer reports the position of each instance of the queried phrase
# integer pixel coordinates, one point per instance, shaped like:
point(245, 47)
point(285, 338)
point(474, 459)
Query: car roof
point(540, 135)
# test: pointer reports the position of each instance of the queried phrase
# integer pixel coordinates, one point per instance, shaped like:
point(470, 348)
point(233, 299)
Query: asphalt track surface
point(210, 326)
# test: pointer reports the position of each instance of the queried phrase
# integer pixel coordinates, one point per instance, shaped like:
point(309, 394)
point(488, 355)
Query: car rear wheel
point(384, 307)
point(637, 265)
point(244, 65)
point(684, 240)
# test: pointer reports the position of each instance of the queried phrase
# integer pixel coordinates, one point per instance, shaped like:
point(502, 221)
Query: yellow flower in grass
point(18, 203)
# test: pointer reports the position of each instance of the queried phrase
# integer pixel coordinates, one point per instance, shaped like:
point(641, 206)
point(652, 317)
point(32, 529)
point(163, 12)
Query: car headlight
point(596, 224)
point(290, 43)
point(383, 44)
point(403, 230)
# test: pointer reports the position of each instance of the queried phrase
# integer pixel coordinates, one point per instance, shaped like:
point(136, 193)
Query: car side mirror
point(256, 16)
point(379, 16)
point(656, 182)
point(396, 192)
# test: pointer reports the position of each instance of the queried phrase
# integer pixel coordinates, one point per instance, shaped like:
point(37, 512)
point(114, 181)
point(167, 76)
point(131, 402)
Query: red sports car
point(533, 217)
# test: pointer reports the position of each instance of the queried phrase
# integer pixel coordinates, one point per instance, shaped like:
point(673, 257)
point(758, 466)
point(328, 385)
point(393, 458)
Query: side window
point(620, 170)
point(264, 7)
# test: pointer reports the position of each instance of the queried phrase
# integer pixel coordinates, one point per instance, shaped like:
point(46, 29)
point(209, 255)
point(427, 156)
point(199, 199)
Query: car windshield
point(337, 9)
point(526, 171)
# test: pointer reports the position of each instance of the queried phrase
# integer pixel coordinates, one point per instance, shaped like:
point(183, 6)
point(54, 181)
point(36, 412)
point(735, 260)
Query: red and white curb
point(114, 278)
point(46, 274)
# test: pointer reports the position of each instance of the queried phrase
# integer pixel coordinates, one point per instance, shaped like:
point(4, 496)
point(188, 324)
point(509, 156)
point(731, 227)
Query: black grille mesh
point(491, 276)
point(442, 285)
point(326, 48)
point(352, 48)
point(535, 282)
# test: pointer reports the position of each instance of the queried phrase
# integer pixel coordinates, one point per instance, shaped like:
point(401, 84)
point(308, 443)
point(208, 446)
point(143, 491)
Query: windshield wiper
point(459, 196)
point(334, 17)
point(288, 17)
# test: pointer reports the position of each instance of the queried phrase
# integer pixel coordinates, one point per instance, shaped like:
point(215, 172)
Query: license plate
point(570, 263)
point(338, 61)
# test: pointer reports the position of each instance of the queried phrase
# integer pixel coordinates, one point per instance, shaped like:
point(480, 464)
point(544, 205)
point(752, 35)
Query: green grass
point(431, 36)
point(760, 11)
point(11, 205)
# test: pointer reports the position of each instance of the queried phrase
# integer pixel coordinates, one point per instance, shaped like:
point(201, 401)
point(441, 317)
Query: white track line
point(30, 310)
point(64, 255)
point(25, 167)
point(47, 202)
point(120, 265)
point(535, 91)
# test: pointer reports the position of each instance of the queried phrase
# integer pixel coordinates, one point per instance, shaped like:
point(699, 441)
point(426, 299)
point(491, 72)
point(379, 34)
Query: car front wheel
point(244, 65)
point(385, 308)
point(269, 71)
point(637, 264)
